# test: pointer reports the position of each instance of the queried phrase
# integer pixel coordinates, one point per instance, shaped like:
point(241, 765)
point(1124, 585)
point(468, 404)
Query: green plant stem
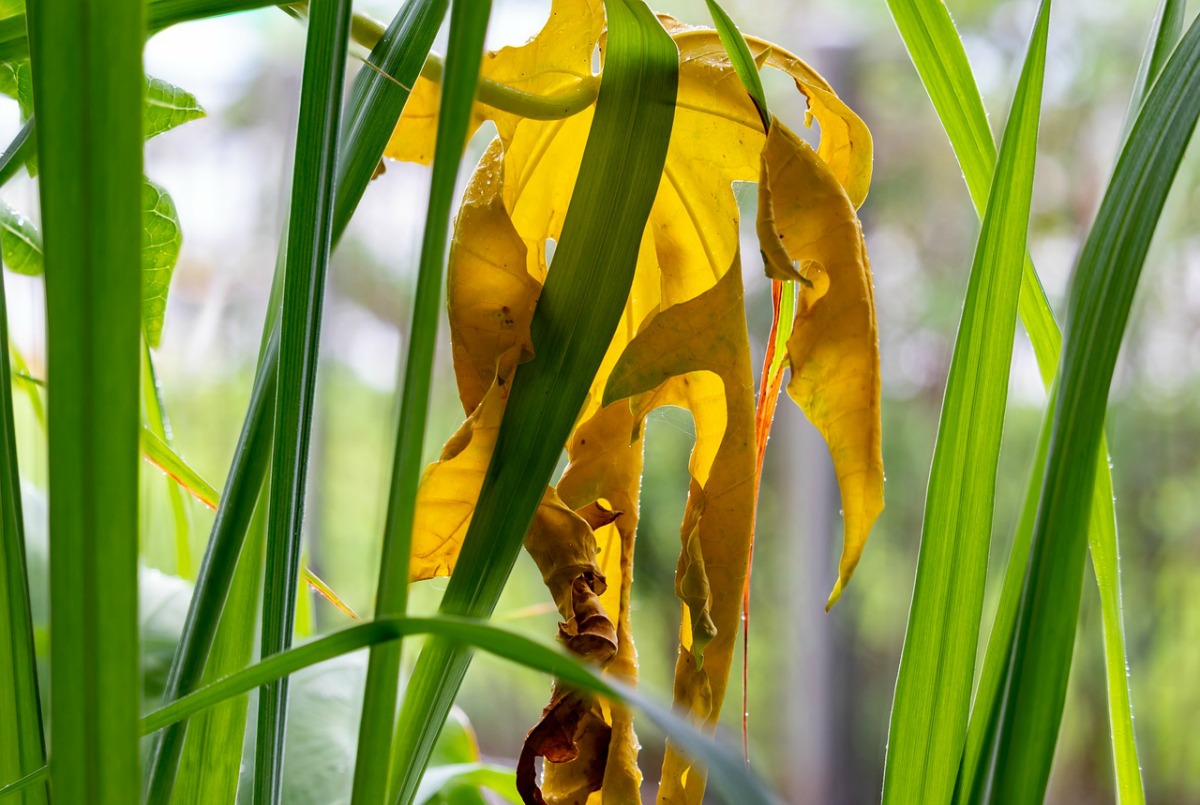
point(88, 90)
point(468, 26)
point(577, 312)
point(310, 237)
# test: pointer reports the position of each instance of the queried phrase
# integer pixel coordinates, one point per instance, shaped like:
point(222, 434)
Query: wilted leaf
point(682, 341)
point(805, 216)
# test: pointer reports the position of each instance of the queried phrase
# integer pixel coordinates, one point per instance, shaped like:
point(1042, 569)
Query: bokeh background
point(820, 685)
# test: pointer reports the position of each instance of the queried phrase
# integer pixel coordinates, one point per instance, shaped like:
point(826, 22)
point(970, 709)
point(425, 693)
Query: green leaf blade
point(929, 715)
point(468, 26)
point(309, 241)
point(1101, 294)
point(88, 83)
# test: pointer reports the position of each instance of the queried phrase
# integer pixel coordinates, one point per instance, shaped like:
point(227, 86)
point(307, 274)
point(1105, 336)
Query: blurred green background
point(820, 685)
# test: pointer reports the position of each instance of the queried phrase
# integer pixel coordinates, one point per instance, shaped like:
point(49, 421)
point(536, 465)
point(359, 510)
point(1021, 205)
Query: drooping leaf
point(513, 206)
point(168, 106)
point(806, 217)
point(162, 238)
point(20, 242)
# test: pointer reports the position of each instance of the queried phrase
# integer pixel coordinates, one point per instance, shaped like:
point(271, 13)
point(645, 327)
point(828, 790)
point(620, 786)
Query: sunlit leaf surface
point(682, 341)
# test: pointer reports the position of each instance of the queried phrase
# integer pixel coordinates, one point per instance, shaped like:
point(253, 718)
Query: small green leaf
point(162, 238)
point(16, 81)
point(20, 242)
point(168, 106)
point(11, 8)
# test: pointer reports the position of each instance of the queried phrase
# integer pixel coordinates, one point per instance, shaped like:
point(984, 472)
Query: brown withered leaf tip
point(572, 727)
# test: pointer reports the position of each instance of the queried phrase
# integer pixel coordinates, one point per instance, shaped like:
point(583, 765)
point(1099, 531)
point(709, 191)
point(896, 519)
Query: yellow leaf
point(682, 341)
point(805, 216)
point(697, 354)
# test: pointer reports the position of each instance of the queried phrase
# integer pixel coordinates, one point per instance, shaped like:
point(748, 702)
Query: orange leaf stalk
point(764, 415)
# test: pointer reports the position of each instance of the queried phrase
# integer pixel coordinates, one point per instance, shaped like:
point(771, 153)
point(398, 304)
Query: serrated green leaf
point(20, 243)
point(162, 238)
point(168, 106)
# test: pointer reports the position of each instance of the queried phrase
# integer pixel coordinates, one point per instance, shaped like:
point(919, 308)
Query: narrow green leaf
point(157, 428)
point(468, 25)
point(985, 712)
point(88, 88)
point(309, 240)
point(160, 251)
point(210, 766)
point(17, 152)
point(576, 315)
point(938, 54)
point(165, 458)
point(20, 243)
point(215, 577)
point(933, 690)
point(168, 106)
point(25, 783)
point(1168, 25)
point(370, 126)
point(22, 746)
point(728, 774)
point(742, 60)
point(1102, 289)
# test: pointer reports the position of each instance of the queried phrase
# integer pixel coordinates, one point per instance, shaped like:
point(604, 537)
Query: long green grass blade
point(88, 85)
point(468, 25)
point(1101, 294)
point(938, 54)
point(1168, 25)
point(22, 747)
point(210, 766)
point(578, 310)
point(370, 120)
point(728, 774)
point(933, 690)
point(309, 241)
point(35, 777)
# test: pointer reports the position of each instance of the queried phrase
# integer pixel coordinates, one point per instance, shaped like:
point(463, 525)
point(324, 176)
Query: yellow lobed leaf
point(693, 349)
point(805, 216)
point(697, 354)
